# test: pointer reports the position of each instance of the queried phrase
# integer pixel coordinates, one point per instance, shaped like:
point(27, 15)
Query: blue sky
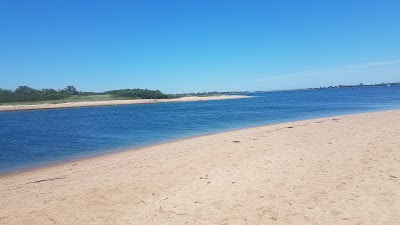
point(198, 45)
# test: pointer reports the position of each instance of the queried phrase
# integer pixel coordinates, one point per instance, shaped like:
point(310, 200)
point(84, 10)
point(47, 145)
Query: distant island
point(28, 95)
point(361, 85)
point(27, 98)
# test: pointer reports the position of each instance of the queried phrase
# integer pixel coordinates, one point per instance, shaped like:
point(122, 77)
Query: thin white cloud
point(348, 68)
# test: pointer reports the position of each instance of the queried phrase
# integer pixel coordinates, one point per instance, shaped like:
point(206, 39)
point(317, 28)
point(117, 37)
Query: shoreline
point(146, 146)
point(333, 170)
point(6, 108)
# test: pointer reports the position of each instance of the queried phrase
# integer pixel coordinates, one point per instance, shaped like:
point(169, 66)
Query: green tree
point(71, 90)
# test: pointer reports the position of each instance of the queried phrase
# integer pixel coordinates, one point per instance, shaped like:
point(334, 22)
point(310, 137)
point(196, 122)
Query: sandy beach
point(116, 102)
point(338, 170)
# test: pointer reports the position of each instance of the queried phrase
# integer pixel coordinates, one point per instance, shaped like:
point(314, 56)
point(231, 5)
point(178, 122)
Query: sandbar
point(116, 102)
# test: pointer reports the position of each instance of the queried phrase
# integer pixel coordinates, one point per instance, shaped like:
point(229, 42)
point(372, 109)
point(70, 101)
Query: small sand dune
point(116, 102)
point(341, 170)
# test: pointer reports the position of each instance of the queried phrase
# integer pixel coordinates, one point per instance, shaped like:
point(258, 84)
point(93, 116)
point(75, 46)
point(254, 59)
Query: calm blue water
point(32, 138)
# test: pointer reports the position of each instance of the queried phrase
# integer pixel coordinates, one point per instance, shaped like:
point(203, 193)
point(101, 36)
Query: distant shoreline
point(4, 108)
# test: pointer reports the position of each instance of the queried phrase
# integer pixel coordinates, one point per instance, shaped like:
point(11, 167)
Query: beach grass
point(95, 98)
point(73, 98)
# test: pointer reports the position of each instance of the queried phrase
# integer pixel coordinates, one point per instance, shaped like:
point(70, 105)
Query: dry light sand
point(341, 170)
point(116, 102)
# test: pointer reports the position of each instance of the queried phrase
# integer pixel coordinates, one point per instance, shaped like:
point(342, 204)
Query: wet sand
point(338, 170)
point(116, 102)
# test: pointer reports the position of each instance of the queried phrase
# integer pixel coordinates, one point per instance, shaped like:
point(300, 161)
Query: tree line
point(138, 94)
point(28, 94)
